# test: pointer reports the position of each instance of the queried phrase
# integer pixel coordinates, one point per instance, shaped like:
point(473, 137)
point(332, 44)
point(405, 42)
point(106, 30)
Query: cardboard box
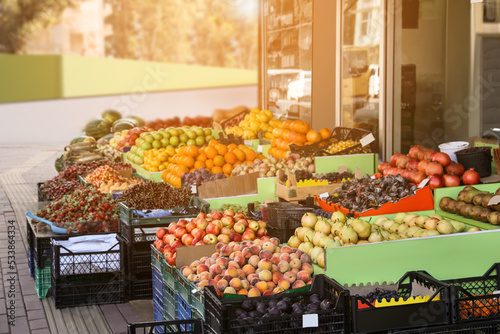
point(231, 186)
point(186, 255)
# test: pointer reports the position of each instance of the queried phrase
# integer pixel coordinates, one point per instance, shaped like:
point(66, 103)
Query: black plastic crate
point(39, 246)
point(136, 289)
point(189, 326)
point(220, 316)
point(287, 220)
point(135, 258)
point(67, 263)
point(196, 205)
point(272, 208)
point(488, 327)
point(472, 298)
point(367, 317)
point(93, 289)
point(158, 303)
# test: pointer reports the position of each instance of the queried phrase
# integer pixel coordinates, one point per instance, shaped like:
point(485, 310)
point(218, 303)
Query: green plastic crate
point(156, 259)
point(191, 293)
point(169, 274)
point(169, 302)
point(43, 280)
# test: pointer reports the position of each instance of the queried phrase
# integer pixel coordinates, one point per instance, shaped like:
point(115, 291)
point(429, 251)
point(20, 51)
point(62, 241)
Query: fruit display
point(106, 179)
point(251, 268)
point(207, 229)
point(200, 121)
point(215, 157)
point(157, 159)
point(380, 295)
point(200, 176)
point(317, 233)
point(473, 203)
point(422, 163)
point(149, 195)
point(239, 208)
point(363, 194)
point(127, 137)
point(83, 152)
point(168, 138)
point(83, 210)
point(97, 128)
point(255, 121)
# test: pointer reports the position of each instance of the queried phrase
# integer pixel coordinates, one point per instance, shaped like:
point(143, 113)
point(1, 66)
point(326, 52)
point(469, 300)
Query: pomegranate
point(442, 158)
point(451, 180)
point(434, 168)
point(412, 164)
point(436, 181)
point(422, 164)
point(394, 158)
point(383, 166)
point(402, 161)
point(470, 177)
point(414, 150)
point(418, 177)
point(429, 154)
point(455, 168)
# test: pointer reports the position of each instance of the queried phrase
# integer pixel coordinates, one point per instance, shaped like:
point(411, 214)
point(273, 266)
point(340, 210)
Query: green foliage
point(213, 33)
point(21, 19)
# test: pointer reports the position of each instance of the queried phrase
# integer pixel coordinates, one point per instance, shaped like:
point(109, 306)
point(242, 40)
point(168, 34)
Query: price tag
point(423, 183)
point(366, 140)
point(259, 149)
point(476, 1)
point(494, 200)
point(309, 320)
point(248, 142)
point(324, 195)
point(194, 189)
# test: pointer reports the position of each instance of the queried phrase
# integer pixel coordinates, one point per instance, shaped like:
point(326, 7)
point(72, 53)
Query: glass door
point(362, 31)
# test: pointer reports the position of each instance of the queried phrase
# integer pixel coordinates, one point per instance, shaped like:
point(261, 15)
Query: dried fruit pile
point(107, 179)
point(151, 195)
point(83, 210)
point(67, 180)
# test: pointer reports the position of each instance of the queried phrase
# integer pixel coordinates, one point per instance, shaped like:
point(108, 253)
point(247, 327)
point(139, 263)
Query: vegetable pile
point(151, 195)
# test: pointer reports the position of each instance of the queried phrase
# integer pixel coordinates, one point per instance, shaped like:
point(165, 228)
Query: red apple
point(179, 232)
point(210, 239)
point(239, 216)
point(201, 242)
point(249, 234)
point(171, 227)
point(160, 233)
point(182, 222)
point(167, 238)
point(233, 236)
point(225, 230)
point(243, 221)
point(196, 240)
point(229, 212)
point(171, 259)
point(202, 224)
point(175, 244)
point(227, 221)
point(212, 229)
point(201, 215)
point(167, 248)
point(254, 225)
point(216, 215)
point(217, 223)
point(261, 232)
point(223, 238)
point(187, 239)
point(197, 233)
point(190, 227)
point(239, 228)
point(262, 223)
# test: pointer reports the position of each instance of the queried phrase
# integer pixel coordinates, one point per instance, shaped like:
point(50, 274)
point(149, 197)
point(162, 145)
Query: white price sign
point(259, 149)
point(194, 190)
point(366, 140)
point(423, 183)
point(248, 142)
point(309, 320)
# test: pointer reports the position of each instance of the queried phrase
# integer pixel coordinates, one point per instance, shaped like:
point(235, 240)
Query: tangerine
point(211, 152)
point(230, 157)
point(219, 161)
point(227, 169)
point(217, 170)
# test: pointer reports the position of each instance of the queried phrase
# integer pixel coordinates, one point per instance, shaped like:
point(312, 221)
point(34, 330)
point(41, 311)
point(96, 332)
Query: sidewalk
point(21, 168)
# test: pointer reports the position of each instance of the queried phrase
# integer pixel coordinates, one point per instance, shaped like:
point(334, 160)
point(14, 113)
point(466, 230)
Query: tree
point(212, 33)
point(21, 19)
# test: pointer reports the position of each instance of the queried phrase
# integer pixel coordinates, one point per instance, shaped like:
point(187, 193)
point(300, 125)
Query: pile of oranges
point(215, 157)
point(157, 159)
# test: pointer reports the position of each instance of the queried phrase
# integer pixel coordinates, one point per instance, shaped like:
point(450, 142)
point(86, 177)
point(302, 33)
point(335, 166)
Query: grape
point(150, 195)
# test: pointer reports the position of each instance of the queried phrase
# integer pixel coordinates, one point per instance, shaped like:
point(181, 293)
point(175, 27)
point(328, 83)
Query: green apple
point(165, 142)
point(139, 141)
point(174, 133)
point(199, 132)
point(200, 141)
point(183, 138)
point(133, 149)
point(191, 142)
point(157, 144)
point(166, 135)
point(209, 138)
point(157, 136)
point(191, 134)
point(146, 146)
point(149, 138)
point(207, 131)
point(174, 141)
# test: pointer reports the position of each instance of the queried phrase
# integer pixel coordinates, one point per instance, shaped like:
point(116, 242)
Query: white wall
point(58, 121)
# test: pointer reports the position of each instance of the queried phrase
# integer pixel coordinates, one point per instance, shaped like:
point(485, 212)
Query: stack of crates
point(39, 258)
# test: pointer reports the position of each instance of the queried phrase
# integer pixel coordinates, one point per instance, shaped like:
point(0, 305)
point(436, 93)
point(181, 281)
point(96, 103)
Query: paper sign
point(248, 142)
point(309, 320)
point(494, 200)
point(324, 195)
point(476, 1)
point(366, 140)
point(193, 189)
point(423, 183)
point(342, 169)
point(259, 149)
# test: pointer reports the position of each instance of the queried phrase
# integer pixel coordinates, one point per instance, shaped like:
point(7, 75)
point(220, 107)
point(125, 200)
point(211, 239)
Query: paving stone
point(4, 325)
point(36, 314)
point(3, 309)
point(38, 324)
point(41, 331)
point(21, 326)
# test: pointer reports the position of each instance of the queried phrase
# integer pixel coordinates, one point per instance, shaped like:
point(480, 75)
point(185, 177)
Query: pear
point(323, 227)
point(399, 218)
point(362, 228)
point(445, 227)
point(394, 227)
point(408, 218)
point(335, 230)
point(338, 216)
point(315, 253)
point(410, 232)
point(385, 234)
point(360, 242)
point(309, 236)
point(412, 222)
point(321, 260)
point(386, 225)
point(418, 233)
point(431, 223)
point(401, 229)
point(436, 215)
point(332, 243)
point(309, 219)
point(376, 237)
point(375, 228)
point(393, 236)
point(420, 220)
point(380, 220)
point(317, 238)
point(306, 247)
point(474, 229)
point(300, 232)
point(349, 236)
point(432, 233)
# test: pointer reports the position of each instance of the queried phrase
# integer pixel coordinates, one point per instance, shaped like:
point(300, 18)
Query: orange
point(231, 147)
point(230, 157)
point(211, 152)
point(188, 161)
point(227, 169)
point(221, 149)
point(209, 164)
point(286, 124)
point(216, 170)
point(199, 164)
point(313, 136)
point(213, 142)
point(192, 151)
point(325, 133)
point(240, 155)
point(250, 154)
point(201, 157)
point(219, 161)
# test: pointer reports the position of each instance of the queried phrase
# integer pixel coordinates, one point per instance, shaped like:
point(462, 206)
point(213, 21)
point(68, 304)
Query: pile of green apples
point(168, 138)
